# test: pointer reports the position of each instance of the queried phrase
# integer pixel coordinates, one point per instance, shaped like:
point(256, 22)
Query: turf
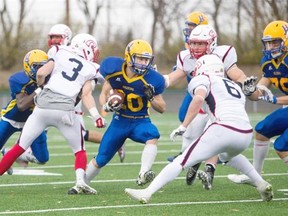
point(47, 194)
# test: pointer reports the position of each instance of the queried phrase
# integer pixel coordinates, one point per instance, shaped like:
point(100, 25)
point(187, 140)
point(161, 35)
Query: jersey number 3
point(75, 70)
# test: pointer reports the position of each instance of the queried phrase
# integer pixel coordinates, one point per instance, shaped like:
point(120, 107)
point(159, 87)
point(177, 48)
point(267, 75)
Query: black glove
point(149, 92)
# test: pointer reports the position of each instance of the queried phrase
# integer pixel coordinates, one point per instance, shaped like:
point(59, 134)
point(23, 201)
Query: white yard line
point(136, 206)
point(111, 181)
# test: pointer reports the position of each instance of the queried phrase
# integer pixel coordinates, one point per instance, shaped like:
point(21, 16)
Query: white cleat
point(266, 191)
point(145, 178)
point(140, 195)
point(82, 187)
point(240, 179)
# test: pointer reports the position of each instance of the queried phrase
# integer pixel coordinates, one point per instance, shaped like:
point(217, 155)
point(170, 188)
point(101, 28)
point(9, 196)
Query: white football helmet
point(203, 33)
point(209, 65)
point(86, 46)
point(60, 30)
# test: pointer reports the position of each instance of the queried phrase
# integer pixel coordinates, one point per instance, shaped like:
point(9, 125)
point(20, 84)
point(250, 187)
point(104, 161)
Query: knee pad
point(281, 144)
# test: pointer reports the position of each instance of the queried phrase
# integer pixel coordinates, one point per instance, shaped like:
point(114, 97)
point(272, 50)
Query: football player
point(224, 100)
point(192, 20)
point(23, 89)
point(61, 34)
point(203, 40)
point(142, 86)
point(275, 72)
point(70, 71)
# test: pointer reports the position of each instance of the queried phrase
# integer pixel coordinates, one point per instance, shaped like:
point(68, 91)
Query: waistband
point(132, 117)
point(79, 113)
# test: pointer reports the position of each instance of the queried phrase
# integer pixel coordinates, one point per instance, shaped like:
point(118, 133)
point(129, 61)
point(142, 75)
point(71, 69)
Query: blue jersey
point(276, 73)
point(132, 121)
point(135, 103)
point(276, 123)
point(19, 82)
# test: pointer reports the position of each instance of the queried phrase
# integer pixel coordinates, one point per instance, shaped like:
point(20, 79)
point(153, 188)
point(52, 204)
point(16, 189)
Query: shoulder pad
point(111, 65)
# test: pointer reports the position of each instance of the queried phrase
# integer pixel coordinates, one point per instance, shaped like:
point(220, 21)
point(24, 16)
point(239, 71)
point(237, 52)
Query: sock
point(168, 174)
point(80, 175)
point(80, 160)
point(148, 157)
point(261, 149)
point(9, 158)
point(91, 172)
point(242, 164)
point(210, 168)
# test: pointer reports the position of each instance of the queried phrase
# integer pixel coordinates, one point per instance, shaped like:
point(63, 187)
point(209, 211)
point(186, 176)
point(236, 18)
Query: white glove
point(177, 132)
point(114, 107)
point(99, 121)
point(249, 85)
point(267, 95)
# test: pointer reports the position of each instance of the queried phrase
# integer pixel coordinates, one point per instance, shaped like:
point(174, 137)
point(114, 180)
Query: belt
point(133, 117)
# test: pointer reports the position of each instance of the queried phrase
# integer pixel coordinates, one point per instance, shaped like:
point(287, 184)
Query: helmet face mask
point(202, 34)
point(59, 34)
point(275, 39)
point(86, 46)
point(209, 65)
point(139, 56)
point(32, 61)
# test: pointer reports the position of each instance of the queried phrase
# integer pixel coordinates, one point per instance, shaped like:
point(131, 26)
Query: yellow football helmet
point(32, 61)
point(192, 20)
point(275, 39)
point(140, 49)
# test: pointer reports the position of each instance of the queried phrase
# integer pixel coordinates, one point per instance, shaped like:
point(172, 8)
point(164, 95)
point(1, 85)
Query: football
point(116, 97)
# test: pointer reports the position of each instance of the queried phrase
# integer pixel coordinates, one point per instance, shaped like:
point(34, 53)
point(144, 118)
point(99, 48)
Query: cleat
point(139, 195)
point(145, 178)
point(86, 189)
point(240, 179)
point(82, 188)
point(266, 191)
point(73, 191)
point(10, 170)
point(171, 158)
point(122, 153)
point(207, 179)
point(192, 173)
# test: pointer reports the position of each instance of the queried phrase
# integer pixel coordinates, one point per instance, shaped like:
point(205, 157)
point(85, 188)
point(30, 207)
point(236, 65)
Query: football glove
point(267, 95)
point(149, 92)
point(111, 107)
point(177, 132)
point(249, 85)
point(99, 121)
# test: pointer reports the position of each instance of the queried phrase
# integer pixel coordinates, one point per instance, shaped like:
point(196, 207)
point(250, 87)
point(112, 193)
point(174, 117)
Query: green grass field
point(32, 194)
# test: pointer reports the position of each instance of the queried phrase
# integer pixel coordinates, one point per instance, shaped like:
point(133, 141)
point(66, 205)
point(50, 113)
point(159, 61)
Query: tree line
point(247, 19)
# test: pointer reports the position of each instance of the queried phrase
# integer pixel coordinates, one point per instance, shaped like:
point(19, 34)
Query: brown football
point(116, 97)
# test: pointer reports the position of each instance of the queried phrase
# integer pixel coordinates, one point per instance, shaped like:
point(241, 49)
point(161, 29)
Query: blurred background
point(25, 24)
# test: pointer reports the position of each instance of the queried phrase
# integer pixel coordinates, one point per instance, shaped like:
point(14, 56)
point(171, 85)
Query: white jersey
point(70, 73)
point(186, 62)
point(225, 101)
